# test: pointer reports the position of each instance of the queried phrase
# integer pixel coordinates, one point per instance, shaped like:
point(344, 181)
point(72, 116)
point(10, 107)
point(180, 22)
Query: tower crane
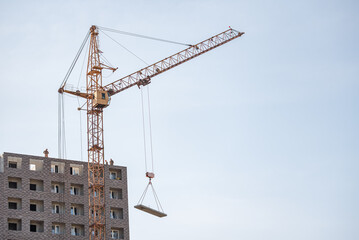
point(98, 97)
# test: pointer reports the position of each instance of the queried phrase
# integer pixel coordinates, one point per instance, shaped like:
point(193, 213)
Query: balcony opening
point(117, 233)
point(36, 226)
point(57, 187)
point(14, 224)
point(115, 193)
point(36, 165)
point(116, 213)
point(76, 169)
point(57, 207)
point(57, 167)
point(37, 205)
point(36, 185)
point(115, 174)
point(77, 189)
point(77, 230)
point(77, 209)
point(14, 203)
point(14, 162)
point(57, 228)
point(14, 182)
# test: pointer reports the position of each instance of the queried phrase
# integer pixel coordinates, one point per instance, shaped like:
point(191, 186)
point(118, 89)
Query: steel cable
point(75, 60)
point(142, 36)
point(125, 48)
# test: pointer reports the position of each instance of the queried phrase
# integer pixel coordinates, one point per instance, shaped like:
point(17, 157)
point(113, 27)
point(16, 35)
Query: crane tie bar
point(142, 36)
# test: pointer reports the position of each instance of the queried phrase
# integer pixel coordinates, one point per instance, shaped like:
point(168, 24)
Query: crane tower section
point(95, 105)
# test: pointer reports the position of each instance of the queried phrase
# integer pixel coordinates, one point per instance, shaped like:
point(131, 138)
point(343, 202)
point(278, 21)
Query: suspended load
point(150, 210)
point(159, 212)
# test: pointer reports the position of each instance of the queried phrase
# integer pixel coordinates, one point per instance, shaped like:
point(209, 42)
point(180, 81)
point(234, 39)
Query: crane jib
point(143, 76)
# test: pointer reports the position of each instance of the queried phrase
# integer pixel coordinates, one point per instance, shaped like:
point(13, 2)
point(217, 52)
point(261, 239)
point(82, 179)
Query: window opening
point(32, 167)
point(56, 209)
point(55, 168)
point(33, 207)
point(32, 187)
point(56, 229)
point(115, 234)
point(12, 205)
point(12, 184)
point(74, 211)
point(13, 165)
point(113, 175)
point(32, 228)
point(12, 226)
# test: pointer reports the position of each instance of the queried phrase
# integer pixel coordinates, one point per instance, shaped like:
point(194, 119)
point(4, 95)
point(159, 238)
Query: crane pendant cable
point(142, 36)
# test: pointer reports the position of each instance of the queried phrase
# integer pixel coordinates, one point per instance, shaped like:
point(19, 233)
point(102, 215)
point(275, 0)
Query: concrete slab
point(150, 210)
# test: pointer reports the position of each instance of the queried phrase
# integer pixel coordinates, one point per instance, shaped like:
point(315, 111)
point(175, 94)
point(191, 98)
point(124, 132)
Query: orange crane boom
point(97, 97)
point(143, 76)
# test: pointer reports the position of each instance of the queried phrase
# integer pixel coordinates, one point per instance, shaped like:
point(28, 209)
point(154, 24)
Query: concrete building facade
point(46, 198)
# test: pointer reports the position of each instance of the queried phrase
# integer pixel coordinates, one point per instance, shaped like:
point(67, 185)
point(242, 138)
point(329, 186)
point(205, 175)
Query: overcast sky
point(257, 139)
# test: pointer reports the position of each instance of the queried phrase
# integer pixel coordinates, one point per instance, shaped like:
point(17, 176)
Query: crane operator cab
point(101, 99)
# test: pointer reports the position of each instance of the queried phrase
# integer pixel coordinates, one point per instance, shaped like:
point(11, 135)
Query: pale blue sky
point(255, 140)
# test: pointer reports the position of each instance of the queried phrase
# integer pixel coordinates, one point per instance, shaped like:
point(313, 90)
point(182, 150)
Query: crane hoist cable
point(147, 87)
point(142, 103)
point(149, 128)
point(102, 29)
point(143, 129)
point(150, 124)
point(150, 174)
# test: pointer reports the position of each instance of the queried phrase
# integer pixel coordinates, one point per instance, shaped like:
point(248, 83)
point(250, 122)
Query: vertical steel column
point(97, 216)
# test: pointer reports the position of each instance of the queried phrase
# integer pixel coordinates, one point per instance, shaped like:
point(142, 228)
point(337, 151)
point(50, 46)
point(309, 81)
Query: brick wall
point(47, 217)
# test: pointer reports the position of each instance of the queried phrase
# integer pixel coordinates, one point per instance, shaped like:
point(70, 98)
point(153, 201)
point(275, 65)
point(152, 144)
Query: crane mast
point(96, 171)
point(98, 96)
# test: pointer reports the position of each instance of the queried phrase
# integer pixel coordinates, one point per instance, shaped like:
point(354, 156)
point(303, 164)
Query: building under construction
point(47, 198)
point(53, 198)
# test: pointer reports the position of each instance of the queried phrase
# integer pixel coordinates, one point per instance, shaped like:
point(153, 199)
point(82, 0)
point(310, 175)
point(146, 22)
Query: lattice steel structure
point(95, 145)
point(98, 96)
point(143, 76)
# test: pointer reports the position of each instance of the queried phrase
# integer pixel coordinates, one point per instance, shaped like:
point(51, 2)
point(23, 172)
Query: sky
point(257, 139)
